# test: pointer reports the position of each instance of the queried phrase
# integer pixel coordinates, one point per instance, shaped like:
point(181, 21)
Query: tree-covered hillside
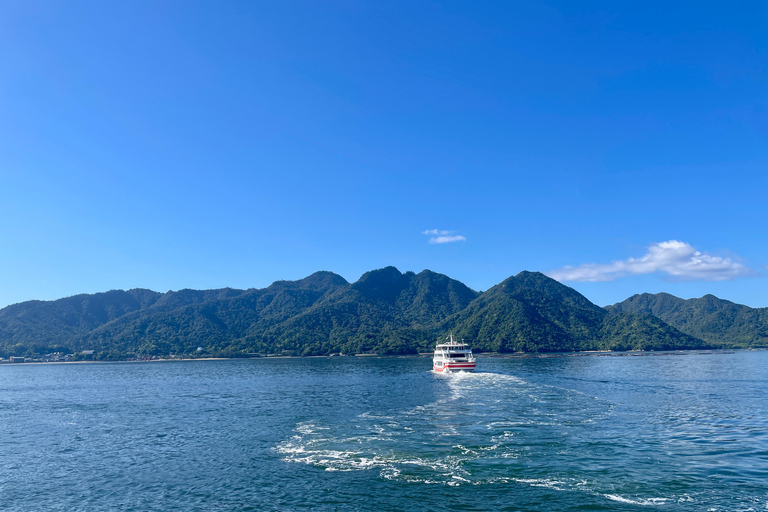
point(213, 325)
point(531, 312)
point(36, 327)
point(384, 312)
point(717, 321)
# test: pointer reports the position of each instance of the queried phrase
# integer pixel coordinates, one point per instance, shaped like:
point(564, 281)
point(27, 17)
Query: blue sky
point(172, 145)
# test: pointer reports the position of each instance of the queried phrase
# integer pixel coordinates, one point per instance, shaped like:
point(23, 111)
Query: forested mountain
point(213, 324)
point(717, 321)
point(37, 325)
point(531, 312)
point(384, 312)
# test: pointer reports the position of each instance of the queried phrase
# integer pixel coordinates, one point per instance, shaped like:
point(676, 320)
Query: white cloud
point(678, 260)
point(447, 239)
point(442, 236)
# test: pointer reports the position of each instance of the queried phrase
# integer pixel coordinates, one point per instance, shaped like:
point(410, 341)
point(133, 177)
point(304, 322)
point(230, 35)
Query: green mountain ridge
point(714, 320)
point(211, 324)
point(531, 312)
point(384, 312)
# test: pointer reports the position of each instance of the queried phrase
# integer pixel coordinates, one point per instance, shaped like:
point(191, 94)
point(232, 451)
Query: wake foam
point(646, 501)
point(472, 433)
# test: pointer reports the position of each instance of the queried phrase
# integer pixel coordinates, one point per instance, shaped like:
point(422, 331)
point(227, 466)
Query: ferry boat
point(453, 356)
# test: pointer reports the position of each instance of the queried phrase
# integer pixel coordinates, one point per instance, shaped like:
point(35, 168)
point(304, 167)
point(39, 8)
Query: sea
point(577, 433)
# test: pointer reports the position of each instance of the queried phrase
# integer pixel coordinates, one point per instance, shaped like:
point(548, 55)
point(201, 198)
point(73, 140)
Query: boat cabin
point(453, 351)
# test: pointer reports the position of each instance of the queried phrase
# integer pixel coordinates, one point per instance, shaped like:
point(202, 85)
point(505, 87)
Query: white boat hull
point(455, 367)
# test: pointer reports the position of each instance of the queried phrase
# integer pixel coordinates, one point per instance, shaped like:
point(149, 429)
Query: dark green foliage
point(384, 312)
point(57, 322)
point(532, 313)
point(629, 331)
point(213, 324)
point(716, 321)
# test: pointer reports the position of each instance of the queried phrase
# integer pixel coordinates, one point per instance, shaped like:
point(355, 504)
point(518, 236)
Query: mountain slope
point(212, 324)
point(631, 331)
point(55, 323)
point(717, 321)
point(385, 312)
point(531, 312)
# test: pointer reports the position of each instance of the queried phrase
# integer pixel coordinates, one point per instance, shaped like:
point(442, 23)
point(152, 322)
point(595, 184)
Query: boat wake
point(482, 428)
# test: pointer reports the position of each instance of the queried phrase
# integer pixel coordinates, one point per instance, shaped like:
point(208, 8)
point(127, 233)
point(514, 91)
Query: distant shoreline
point(5, 363)
point(483, 355)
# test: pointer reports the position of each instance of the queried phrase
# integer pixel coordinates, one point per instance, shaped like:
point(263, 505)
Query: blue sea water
point(665, 432)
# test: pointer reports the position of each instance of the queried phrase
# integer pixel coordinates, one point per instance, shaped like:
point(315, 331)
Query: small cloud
point(447, 239)
point(678, 260)
point(442, 236)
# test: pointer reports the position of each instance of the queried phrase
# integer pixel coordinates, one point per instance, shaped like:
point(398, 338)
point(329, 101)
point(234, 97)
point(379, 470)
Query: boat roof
point(455, 344)
point(452, 344)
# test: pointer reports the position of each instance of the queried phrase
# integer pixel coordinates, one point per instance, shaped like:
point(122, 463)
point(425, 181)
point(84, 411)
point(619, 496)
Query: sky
point(619, 147)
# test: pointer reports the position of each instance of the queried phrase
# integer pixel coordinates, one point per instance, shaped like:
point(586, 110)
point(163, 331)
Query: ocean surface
point(661, 432)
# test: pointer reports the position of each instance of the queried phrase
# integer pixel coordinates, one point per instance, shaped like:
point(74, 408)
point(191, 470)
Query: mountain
point(119, 323)
point(717, 321)
point(384, 312)
point(531, 312)
point(46, 324)
point(212, 324)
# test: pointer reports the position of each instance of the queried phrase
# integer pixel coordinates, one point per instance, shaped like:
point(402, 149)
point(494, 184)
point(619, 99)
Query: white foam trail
point(648, 501)
point(475, 417)
point(542, 482)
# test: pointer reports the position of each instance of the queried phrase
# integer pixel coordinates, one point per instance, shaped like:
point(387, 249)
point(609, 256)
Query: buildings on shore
point(54, 357)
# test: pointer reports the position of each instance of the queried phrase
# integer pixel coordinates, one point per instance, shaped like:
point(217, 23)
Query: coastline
point(125, 361)
point(483, 355)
